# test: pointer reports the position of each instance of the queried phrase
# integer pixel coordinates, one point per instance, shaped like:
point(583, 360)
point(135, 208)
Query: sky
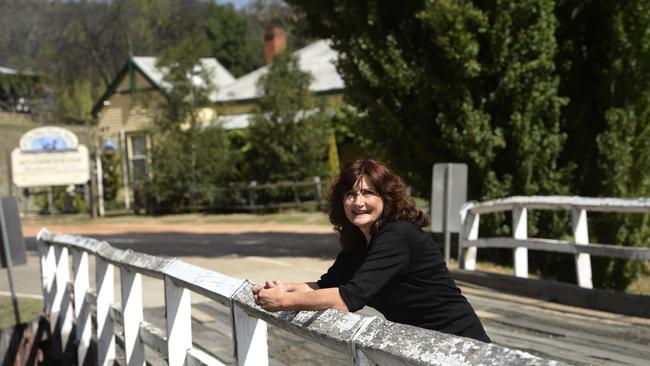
point(237, 3)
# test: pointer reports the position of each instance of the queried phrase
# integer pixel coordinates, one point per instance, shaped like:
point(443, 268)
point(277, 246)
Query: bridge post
point(81, 309)
point(48, 269)
point(520, 231)
point(131, 293)
point(470, 222)
point(105, 328)
point(581, 236)
point(62, 305)
point(178, 315)
point(251, 346)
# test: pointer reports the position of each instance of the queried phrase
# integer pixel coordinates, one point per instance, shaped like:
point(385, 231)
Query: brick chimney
point(275, 41)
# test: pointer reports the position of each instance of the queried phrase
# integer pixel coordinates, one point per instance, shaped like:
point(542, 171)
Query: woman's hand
point(258, 288)
point(270, 297)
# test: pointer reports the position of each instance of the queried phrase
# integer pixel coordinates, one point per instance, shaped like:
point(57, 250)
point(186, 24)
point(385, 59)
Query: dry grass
point(29, 309)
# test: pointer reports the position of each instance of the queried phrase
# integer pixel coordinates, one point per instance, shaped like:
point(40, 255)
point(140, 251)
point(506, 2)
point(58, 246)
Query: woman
point(387, 261)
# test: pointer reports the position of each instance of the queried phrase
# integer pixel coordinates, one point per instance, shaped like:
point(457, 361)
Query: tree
point(79, 46)
point(536, 96)
point(189, 157)
point(288, 136)
point(605, 65)
point(455, 81)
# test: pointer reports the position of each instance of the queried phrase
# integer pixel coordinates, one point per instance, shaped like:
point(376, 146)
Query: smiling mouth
point(359, 212)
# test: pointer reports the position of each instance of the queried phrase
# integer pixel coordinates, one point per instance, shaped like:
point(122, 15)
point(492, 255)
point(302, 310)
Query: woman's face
point(363, 205)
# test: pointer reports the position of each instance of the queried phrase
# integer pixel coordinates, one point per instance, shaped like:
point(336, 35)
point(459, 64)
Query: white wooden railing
point(367, 340)
point(520, 242)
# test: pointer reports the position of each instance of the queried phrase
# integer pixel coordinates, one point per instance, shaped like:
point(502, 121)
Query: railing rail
point(367, 340)
point(520, 242)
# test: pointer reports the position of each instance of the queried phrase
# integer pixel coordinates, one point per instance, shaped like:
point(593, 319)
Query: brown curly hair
point(398, 205)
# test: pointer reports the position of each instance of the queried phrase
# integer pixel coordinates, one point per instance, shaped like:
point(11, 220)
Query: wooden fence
point(70, 300)
point(520, 242)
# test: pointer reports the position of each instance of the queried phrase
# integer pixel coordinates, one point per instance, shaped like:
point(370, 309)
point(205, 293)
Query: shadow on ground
point(178, 244)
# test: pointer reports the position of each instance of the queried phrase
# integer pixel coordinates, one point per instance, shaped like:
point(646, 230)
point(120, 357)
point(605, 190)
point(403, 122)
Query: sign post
point(448, 193)
point(13, 244)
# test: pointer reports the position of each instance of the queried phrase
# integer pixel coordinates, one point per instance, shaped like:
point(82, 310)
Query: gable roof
point(146, 66)
point(317, 58)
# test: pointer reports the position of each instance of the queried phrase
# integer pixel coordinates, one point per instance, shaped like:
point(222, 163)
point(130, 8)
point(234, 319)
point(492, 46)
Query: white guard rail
point(368, 340)
point(520, 242)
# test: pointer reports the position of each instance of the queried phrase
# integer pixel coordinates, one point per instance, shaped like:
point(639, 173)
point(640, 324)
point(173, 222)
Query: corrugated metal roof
point(6, 70)
point(235, 121)
point(221, 76)
point(317, 58)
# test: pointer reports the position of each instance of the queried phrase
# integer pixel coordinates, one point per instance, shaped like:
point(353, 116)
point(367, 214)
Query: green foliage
point(64, 201)
point(453, 81)
point(79, 46)
point(111, 176)
point(536, 96)
point(605, 71)
point(288, 137)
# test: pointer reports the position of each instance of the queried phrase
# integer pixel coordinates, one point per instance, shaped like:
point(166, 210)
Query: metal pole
point(9, 174)
point(7, 254)
point(50, 200)
point(445, 220)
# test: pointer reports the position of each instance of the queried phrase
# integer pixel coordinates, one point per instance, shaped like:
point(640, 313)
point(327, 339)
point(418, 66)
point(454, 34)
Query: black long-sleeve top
point(402, 274)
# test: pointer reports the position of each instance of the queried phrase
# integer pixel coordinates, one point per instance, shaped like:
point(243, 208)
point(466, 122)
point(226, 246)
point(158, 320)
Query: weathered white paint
point(520, 231)
point(131, 291)
point(560, 246)
point(251, 347)
point(368, 341)
point(178, 314)
point(81, 309)
point(105, 327)
point(63, 299)
point(153, 337)
point(470, 223)
point(580, 247)
point(215, 286)
point(196, 357)
point(48, 271)
point(561, 203)
point(581, 236)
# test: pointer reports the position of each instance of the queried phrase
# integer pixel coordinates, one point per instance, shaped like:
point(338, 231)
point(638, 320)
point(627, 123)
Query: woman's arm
point(303, 297)
point(300, 286)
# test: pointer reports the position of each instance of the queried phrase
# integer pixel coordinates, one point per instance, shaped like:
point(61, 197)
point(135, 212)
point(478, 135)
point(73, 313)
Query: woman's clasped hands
point(269, 297)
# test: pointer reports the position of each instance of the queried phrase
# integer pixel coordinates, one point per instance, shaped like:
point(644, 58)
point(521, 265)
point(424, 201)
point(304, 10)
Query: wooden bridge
point(230, 329)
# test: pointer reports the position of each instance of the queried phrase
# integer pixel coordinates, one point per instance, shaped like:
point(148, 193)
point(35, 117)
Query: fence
point(251, 197)
point(520, 243)
point(69, 299)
